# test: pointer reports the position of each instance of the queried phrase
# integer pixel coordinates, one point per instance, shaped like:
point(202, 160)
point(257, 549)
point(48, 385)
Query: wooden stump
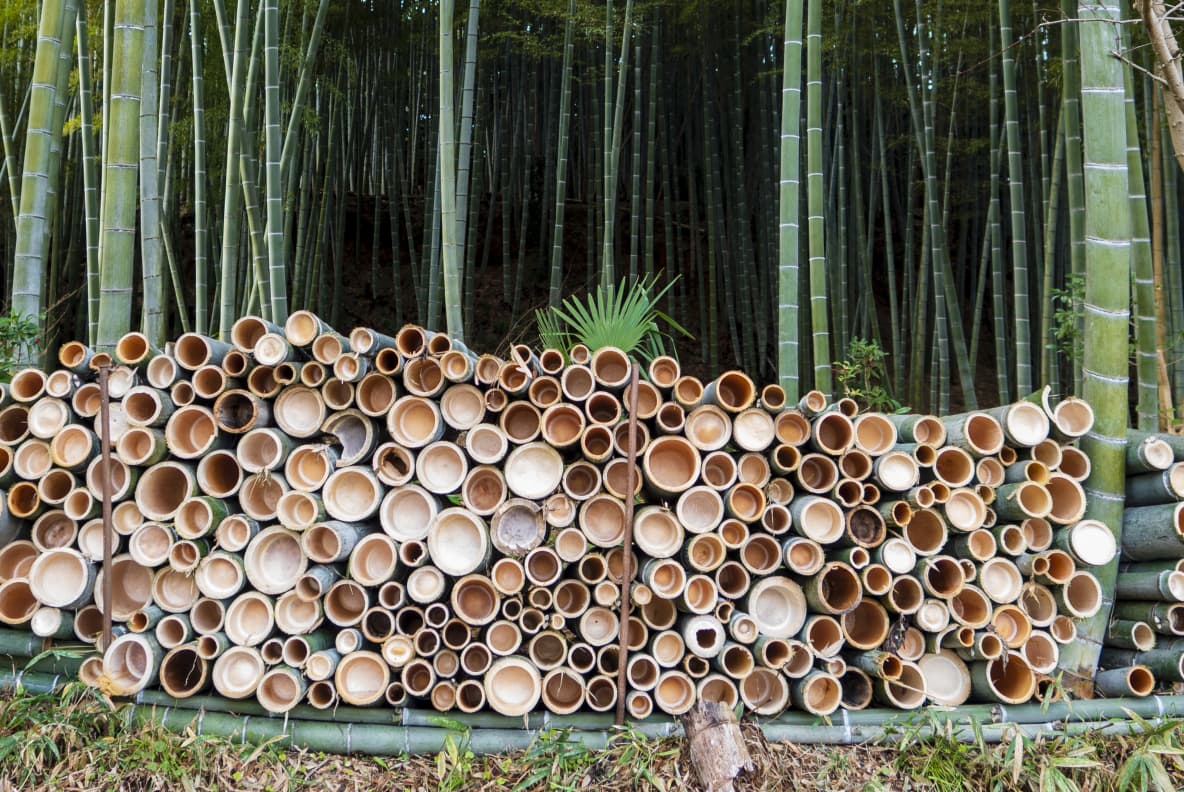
point(716, 746)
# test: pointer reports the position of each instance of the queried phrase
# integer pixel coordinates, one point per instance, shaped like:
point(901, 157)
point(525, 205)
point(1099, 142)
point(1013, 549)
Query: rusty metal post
point(627, 556)
point(108, 539)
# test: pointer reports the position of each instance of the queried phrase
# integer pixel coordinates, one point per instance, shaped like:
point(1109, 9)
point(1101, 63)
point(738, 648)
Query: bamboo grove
point(805, 173)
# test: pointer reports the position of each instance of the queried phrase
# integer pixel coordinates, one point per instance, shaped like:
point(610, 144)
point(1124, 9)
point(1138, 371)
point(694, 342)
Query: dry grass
point(73, 742)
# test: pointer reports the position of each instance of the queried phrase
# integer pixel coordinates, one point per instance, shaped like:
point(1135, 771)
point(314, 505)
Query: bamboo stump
point(716, 746)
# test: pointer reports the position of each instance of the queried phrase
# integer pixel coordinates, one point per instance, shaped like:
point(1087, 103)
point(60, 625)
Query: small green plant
point(624, 316)
point(1067, 316)
point(863, 377)
point(556, 758)
point(454, 762)
point(19, 337)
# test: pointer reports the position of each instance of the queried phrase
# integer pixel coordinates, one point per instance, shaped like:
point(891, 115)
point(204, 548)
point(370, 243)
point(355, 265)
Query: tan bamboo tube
point(533, 470)
point(260, 495)
point(855, 464)
point(484, 490)
point(1067, 499)
point(818, 519)
point(674, 694)
point(665, 577)
point(925, 532)
point(172, 631)
point(905, 596)
point(816, 473)
point(601, 693)
point(746, 503)
point(235, 531)
point(17, 602)
point(577, 383)
point(352, 494)
point(657, 532)
point(778, 605)
point(1040, 605)
point(699, 509)
point(1081, 596)
point(14, 423)
point(946, 678)
point(27, 385)
point(423, 377)
point(610, 366)
point(131, 663)
point(47, 416)
point(23, 500)
point(753, 429)
point(544, 392)
point(296, 616)
point(602, 520)
point(1048, 453)
point(1012, 625)
point(989, 471)
point(1008, 680)
point(346, 603)
point(719, 470)
point(62, 578)
point(80, 505)
point(848, 493)
point(1001, 580)
point(877, 580)
point(512, 686)
point(119, 480)
point(603, 408)
point(761, 555)
point(163, 488)
point(954, 467)
point(1074, 463)
point(521, 422)
point(776, 519)
point(261, 381)
point(475, 600)
point(393, 464)
point(874, 434)
point(374, 560)
point(1064, 631)
point(55, 486)
point(581, 480)
point(407, 512)
point(970, 607)
point(275, 560)
point(303, 327)
point(792, 428)
point(547, 650)
point(220, 575)
point(250, 619)
point(941, 576)
point(141, 447)
point(237, 672)
point(933, 616)
point(300, 411)
point(308, 467)
point(965, 510)
point(219, 474)
point(866, 625)
point(458, 542)
point(149, 545)
point(802, 556)
point(33, 459)
point(237, 365)
point(708, 428)
point(705, 552)
point(361, 678)
point(209, 381)
point(440, 467)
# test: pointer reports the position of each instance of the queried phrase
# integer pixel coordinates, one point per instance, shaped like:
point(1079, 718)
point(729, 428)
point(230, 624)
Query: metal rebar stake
point(627, 546)
point(108, 539)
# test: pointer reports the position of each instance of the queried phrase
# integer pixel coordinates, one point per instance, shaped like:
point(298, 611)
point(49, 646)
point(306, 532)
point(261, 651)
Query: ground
point(75, 742)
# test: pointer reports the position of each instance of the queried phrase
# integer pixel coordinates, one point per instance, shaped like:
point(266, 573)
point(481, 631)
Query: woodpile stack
point(373, 520)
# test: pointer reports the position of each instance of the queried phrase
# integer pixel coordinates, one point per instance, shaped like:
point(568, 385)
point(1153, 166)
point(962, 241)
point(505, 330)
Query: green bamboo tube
point(1174, 442)
point(1167, 663)
point(1149, 453)
point(1125, 634)
point(921, 429)
point(1167, 586)
point(1161, 486)
point(1021, 501)
point(1165, 618)
point(1153, 532)
point(1136, 680)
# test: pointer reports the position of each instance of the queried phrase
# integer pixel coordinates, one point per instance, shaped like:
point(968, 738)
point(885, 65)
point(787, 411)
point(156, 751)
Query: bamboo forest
point(688, 360)
point(909, 174)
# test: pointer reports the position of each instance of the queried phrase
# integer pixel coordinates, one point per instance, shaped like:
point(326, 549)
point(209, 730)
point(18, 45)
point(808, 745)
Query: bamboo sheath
point(316, 519)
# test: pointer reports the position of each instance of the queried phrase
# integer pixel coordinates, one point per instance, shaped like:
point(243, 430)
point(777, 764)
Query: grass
point(75, 741)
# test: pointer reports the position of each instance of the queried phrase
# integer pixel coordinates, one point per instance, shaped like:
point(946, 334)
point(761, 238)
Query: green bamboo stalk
point(451, 248)
point(1050, 361)
point(303, 85)
point(1071, 93)
point(635, 166)
point(232, 193)
point(9, 147)
point(995, 231)
point(153, 321)
point(613, 147)
point(1107, 304)
point(555, 294)
point(117, 250)
point(90, 181)
point(1015, 179)
point(818, 299)
point(1146, 346)
point(35, 218)
point(201, 301)
point(276, 244)
point(788, 276)
point(465, 150)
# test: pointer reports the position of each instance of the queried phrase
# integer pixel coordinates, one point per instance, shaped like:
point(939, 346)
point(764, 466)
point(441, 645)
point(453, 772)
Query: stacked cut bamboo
point(305, 516)
point(1145, 637)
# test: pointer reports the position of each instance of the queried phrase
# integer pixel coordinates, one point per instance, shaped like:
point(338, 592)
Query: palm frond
point(624, 316)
